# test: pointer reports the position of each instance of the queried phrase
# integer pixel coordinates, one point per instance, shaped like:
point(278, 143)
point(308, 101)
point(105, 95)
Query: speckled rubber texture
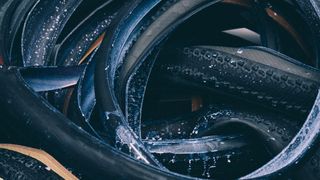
point(17, 166)
point(265, 80)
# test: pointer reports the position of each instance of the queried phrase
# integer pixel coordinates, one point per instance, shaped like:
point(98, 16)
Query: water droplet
point(240, 51)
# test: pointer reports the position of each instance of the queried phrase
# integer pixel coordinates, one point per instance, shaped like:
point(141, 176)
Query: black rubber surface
point(14, 165)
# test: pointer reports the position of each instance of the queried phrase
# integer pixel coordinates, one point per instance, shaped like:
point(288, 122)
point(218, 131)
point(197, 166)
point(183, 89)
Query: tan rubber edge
point(43, 157)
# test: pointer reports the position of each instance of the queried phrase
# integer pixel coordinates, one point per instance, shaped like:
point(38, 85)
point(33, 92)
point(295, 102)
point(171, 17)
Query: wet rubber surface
point(17, 166)
point(171, 89)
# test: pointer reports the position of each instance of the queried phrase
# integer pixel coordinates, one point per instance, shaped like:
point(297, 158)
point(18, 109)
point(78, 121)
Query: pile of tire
point(161, 89)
